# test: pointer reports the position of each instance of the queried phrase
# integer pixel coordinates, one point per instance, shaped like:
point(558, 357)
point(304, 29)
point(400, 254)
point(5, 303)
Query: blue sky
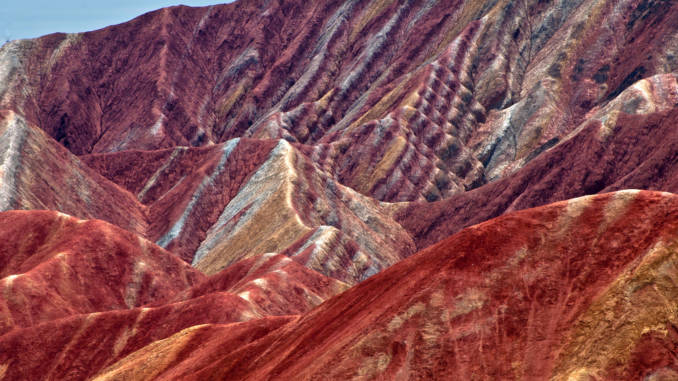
point(33, 18)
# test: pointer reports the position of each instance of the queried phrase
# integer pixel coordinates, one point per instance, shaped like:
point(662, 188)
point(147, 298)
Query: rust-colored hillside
point(344, 189)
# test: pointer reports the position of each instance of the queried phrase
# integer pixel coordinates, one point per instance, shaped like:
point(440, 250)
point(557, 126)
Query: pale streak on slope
point(38, 173)
point(328, 253)
point(159, 124)
point(157, 174)
point(10, 64)
point(129, 332)
point(68, 41)
point(319, 53)
point(68, 347)
point(162, 80)
point(3, 370)
point(288, 198)
point(178, 226)
point(639, 302)
point(263, 226)
point(658, 93)
point(271, 122)
point(655, 94)
point(372, 49)
point(164, 351)
point(11, 143)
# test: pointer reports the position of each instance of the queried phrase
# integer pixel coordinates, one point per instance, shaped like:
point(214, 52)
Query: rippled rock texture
point(238, 192)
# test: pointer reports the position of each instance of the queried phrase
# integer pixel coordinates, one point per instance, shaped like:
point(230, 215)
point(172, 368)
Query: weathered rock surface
point(53, 266)
point(582, 288)
point(437, 97)
point(615, 148)
point(216, 205)
point(289, 150)
point(272, 283)
point(76, 296)
point(79, 347)
point(38, 173)
point(418, 101)
point(249, 196)
point(289, 203)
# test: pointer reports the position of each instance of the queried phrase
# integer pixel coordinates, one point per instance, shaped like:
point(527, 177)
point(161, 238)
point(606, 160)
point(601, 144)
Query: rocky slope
point(197, 201)
point(439, 96)
point(78, 295)
point(230, 168)
point(416, 101)
point(581, 289)
point(38, 173)
point(631, 143)
point(53, 266)
point(576, 289)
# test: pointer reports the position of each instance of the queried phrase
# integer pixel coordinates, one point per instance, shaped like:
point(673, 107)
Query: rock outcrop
point(238, 192)
point(53, 266)
point(77, 295)
point(438, 96)
point(581, 288)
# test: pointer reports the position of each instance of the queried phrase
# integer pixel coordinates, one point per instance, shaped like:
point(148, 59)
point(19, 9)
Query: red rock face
point(574, 289)
point(600, 157)
point(234, 192)
point(54, 266)
point(38, 173)
point(273, 284)
point(438, 96)
point(105, 293)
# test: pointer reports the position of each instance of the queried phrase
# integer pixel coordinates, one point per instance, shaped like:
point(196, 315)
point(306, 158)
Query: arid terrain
point(344, 190)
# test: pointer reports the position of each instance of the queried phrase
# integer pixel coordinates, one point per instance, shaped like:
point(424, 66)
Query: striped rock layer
point(309, 114)
point(196, 183)
point(582, 289)
point(402, 101)
point(78, 295)
point(212, 206)
point(576, 289)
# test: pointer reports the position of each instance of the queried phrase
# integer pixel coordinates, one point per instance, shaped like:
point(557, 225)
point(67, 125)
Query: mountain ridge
point(352, 189)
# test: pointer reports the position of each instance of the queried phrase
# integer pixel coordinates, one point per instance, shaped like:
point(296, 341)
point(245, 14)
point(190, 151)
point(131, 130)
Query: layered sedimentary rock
point(629, 143)
point(183, 189)
point(54, 266)
point(216, 205)
point(288, 204)
point(297, 153)
point(272, 283)
point(198, 201)
point(418, 101)
point(38, 173)
point(582, 288)
point(81, 346)
point(440, 96)
point(78, 295)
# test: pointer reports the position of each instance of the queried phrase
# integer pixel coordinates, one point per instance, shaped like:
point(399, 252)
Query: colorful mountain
point(344, 189)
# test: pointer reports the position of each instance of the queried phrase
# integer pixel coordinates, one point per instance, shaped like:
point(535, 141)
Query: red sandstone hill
point(581, 288)
point(78, 295)
point(230, 169)
point(633, 149)
point(53, 266)
point(489, 107)
point(417, 101)
point(575, 290)
point(250, 196)
point(434, 97)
